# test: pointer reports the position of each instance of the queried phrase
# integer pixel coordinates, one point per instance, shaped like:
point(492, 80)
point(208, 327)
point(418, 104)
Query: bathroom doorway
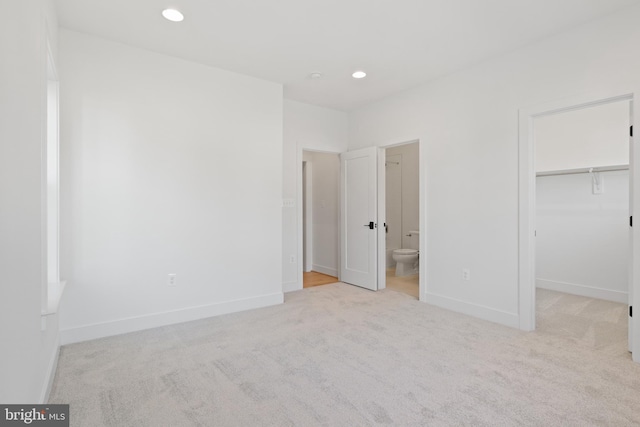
point(402, 212)
point(320, 217)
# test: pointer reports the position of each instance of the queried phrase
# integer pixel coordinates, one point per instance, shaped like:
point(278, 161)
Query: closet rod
point(584, 170)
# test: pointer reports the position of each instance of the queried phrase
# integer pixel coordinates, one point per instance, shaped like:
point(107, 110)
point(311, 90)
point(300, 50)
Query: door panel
point(359, 209)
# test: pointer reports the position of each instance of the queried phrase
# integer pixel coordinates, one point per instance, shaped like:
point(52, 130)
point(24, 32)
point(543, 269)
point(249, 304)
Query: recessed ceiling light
point(315, 76)
point(359, 75)
point(173, 15)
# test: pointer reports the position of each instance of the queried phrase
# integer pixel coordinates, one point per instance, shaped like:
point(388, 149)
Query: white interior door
point(359, 219)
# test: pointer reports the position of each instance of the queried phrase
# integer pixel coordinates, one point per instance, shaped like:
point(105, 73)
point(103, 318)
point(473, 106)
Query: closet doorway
point(580, 271)
point(582, 212)
point(320, 217)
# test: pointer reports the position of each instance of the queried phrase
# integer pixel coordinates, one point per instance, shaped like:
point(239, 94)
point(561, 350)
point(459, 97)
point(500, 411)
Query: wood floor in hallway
point(313, 278)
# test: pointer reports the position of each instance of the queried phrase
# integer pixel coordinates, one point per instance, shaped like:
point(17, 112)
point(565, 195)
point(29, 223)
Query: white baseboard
point(291, 286)
point(51, 372)
point(486, 313)
point(585, 291)
point(325, 270)
point(133, 324)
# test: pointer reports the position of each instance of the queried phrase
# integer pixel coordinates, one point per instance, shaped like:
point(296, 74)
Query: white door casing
point(307, 215)
point(631, 198)
point(527, 206)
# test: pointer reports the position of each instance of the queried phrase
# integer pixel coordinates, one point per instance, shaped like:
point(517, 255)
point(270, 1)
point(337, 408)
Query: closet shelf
point(584, 170)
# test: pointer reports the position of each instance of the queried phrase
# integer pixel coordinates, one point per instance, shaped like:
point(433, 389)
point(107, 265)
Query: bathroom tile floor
point(406, 284)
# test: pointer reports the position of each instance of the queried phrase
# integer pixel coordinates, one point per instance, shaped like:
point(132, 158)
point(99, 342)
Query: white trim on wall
point(299, 222)
point(138, 323)
point(307, 218)
point(583, 290)
point(290, 287)
point(469, 309)
point(381, 184)
point(325, 270)
point(51, 372)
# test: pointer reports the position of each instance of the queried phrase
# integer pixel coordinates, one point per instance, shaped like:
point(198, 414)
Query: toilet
point(407, 259)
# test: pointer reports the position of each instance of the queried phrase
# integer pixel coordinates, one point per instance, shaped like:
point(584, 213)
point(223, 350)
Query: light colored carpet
point(595, 323)
point(338, 355)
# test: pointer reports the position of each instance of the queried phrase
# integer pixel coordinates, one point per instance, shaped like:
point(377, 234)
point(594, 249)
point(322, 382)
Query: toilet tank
point(412, 240)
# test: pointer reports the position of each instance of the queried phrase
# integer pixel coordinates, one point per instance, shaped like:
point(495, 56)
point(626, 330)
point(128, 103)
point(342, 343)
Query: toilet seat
point(405, 251)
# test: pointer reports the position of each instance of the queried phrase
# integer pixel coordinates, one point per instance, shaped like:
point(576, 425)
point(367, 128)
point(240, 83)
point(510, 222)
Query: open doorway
point(320, 217)
point(579, 262)
point(364, 260)
point(582, 211)
point(402, 218)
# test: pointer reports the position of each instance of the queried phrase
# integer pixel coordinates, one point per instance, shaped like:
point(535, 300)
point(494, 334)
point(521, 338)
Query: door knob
point(371, 225)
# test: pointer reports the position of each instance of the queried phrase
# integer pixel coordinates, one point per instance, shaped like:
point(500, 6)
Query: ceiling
point(399, 43)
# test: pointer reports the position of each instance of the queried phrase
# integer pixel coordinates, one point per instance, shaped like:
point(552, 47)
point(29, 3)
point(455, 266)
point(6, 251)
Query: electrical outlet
point(466, 274)
point(171, 280)
point(292, 259)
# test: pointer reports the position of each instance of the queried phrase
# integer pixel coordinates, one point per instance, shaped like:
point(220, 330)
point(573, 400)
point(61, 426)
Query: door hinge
point(630, 130)
point(631, 221)
point(630, 311)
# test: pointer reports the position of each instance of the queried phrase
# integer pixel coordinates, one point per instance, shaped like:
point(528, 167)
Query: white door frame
point(381, 237)
point(381, 215)
point(382, 244)
point(307, 216)
point(526, 215)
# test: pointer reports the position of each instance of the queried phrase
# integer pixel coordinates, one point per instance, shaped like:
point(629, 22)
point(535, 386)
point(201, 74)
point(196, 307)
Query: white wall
point(27, 359)
point(582, 243)
point(409, 157)
point(589, 137)
point(305, 127)
point(467, 124)
point(167, 167)
point(325, 202)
